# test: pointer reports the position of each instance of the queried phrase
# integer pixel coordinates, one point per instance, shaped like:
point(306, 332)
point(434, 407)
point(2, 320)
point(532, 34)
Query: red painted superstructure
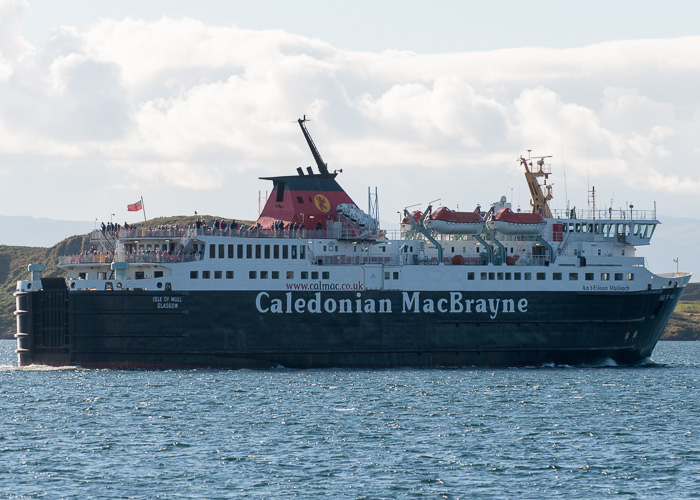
point(304, 199)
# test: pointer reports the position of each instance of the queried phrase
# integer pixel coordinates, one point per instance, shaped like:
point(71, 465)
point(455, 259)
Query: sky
point(187, 104)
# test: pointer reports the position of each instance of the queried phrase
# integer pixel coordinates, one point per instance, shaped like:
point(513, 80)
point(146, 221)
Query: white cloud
point(203, 110)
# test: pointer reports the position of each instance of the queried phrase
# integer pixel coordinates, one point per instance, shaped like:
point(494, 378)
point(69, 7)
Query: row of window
point(543, 276)
point(275, 275)
point(609, 230)
point(484, 276)
point(257, 251)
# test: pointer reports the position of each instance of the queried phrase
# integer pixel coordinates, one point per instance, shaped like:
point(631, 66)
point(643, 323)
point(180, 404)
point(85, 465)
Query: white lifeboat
point(505, 221)
point(446, 221)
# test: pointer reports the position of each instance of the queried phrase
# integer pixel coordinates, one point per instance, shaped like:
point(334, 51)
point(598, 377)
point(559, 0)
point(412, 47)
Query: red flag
point(134, 207)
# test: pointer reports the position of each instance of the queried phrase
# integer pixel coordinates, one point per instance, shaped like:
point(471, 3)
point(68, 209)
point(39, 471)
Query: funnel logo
point(322, 203)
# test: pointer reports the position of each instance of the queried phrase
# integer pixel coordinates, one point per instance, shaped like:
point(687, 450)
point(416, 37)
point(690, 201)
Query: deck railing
point(249, 232)
point(105, 258)
point(603, 215)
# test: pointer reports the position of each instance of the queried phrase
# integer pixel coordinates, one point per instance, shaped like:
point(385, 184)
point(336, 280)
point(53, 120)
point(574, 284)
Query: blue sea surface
point(562, 432)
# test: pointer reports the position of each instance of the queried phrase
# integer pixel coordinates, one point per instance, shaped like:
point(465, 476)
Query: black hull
point(376, 329)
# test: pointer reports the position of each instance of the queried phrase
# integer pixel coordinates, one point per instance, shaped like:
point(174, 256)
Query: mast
point(322, 166)
point(539, 199)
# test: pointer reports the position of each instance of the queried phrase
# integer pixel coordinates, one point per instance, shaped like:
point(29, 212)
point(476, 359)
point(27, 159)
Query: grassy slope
point(684, 324)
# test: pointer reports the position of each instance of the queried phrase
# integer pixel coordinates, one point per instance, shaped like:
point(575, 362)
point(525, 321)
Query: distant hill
point(684, 324)
point(39, 232)
point(675, 238)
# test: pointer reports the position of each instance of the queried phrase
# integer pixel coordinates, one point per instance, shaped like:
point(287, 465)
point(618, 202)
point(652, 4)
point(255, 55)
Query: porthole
point(159, 284)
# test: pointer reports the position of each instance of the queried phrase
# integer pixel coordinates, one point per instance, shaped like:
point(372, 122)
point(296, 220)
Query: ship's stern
point(43, 322)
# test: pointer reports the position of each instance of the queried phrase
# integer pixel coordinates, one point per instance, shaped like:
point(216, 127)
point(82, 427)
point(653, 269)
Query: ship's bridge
point(625, 227)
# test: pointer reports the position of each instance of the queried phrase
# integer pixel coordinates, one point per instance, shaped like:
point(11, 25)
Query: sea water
point(550, 431)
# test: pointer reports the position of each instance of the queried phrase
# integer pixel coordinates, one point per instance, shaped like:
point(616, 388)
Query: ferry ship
point(316, 283)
